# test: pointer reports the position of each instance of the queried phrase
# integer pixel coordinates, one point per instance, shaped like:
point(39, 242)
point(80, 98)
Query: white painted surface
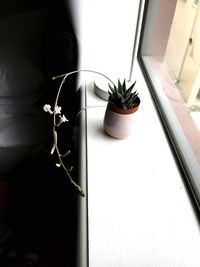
point(106, 30)
point(139, 213)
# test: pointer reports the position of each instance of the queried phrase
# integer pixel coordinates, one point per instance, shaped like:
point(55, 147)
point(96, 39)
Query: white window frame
point(187, 162)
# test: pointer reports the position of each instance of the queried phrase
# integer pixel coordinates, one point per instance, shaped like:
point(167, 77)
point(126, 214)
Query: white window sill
point(137, 211)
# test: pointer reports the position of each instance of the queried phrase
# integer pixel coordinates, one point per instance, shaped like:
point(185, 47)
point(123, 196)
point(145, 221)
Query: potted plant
point(123, 101)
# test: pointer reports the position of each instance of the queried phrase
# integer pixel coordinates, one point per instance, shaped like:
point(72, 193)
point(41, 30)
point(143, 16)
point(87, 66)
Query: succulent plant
point(123, 97)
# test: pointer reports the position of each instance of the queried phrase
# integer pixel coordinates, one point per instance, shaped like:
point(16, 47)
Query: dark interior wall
point(60, 52)
point(15, 6)
point(61, 9)
point(37, 42)
point(61, 18)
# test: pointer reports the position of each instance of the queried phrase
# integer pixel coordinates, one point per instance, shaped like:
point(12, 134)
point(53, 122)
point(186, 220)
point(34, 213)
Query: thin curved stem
point(55, 146)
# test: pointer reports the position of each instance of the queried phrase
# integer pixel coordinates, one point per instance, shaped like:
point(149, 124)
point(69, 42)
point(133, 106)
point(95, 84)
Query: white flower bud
point(47, 108)
point(57, 110)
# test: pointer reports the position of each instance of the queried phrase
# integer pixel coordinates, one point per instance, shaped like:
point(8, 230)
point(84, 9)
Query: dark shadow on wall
point(37, 202)
point(37, 42)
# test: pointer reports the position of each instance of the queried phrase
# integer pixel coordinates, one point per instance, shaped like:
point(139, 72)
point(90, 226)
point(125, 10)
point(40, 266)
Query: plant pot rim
point(124, 111)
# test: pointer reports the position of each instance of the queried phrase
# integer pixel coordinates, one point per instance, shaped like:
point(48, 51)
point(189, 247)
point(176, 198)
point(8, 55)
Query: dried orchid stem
point(68, 173)
point(55, 144)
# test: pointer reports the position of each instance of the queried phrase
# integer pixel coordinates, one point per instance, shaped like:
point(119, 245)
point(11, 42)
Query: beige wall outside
point(182, 57)
point(181, 30)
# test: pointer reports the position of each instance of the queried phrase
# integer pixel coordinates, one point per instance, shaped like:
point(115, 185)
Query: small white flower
point(57, 110)
point(58, 165)
point(47, 108)
point(62, 119)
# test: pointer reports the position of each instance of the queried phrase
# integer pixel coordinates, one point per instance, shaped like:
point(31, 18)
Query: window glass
point(169, 53)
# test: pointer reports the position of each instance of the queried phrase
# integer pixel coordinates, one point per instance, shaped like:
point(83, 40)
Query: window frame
point(183, 155)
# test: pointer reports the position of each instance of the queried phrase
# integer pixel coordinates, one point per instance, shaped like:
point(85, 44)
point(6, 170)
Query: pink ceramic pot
point(119, 123)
